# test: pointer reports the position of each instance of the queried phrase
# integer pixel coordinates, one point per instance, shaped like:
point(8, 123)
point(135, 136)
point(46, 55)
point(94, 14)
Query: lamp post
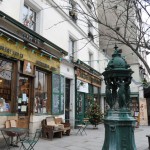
point(119, 124)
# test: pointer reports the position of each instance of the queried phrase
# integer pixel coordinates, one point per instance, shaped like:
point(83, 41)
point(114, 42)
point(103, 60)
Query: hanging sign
point(82, 86)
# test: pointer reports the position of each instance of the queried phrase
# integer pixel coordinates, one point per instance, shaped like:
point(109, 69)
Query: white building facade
point(75, 60)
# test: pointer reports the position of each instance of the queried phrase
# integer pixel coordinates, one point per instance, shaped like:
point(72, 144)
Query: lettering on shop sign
point(10, 51)
point(30, 38)
point(41, 64)
point(88, 77)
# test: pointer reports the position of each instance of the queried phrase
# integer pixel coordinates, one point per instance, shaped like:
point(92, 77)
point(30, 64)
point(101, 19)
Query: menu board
point(58, 94)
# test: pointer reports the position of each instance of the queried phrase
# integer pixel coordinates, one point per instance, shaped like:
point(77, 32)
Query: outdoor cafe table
point(13, 130)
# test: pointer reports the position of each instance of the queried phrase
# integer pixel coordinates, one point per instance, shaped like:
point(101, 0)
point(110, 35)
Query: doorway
point(67, 100)
point(80, 107)
point(24, 96)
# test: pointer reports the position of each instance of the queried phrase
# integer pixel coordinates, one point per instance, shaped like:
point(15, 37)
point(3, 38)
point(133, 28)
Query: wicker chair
point(9, 124)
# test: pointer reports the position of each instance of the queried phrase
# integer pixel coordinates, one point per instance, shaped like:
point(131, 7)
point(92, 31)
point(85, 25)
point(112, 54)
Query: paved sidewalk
point(92, 141)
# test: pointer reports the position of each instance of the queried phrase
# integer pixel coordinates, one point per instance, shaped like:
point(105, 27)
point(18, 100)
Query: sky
point(145, 18)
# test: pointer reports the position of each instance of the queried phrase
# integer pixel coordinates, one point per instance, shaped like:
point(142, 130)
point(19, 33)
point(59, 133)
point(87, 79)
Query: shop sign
point(87, 77)
point(10, 52)
point(28, 68)
point(84, 75)
point(30, 38)
point(96, 81)
point(41, 64)
point(21, 53)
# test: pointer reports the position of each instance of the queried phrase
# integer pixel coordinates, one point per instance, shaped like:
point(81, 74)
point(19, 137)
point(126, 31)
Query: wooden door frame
point(67, 112)
point(31, 95)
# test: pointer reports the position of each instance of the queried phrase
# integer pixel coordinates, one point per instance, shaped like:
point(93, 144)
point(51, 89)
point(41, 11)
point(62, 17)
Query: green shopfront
point(87, 91)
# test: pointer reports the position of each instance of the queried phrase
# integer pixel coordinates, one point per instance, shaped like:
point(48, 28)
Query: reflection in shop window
point(40, 92)
point(5, 85)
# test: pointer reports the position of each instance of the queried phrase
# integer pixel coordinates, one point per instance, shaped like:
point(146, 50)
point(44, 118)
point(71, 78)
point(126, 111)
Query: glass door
point(23, 101)
point(67, 100)
point(79, 108)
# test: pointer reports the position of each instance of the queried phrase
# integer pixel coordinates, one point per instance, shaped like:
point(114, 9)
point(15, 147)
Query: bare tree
point(121, 22)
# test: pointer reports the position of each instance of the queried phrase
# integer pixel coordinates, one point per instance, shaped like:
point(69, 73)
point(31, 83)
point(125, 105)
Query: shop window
point(5, 85)
point(57, 94)
point(40, 92)
point(29, 17)
point(134, 106)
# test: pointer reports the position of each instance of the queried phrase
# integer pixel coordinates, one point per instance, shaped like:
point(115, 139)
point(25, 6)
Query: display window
point(134, 106)
point(5, 85)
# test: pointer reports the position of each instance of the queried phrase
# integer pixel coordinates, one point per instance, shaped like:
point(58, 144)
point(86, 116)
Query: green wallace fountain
point(119, 124)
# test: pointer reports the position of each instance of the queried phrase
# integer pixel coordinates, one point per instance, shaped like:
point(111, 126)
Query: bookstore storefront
point(27, 73)
point(24, 82)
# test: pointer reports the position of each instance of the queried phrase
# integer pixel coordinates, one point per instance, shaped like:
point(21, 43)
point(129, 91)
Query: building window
point(89, 4)
point(72, 11)
point(90, 30)
point(40, 92)
point(5, 85)
point(29, 17)
point(90, 59)
point(72, 44)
